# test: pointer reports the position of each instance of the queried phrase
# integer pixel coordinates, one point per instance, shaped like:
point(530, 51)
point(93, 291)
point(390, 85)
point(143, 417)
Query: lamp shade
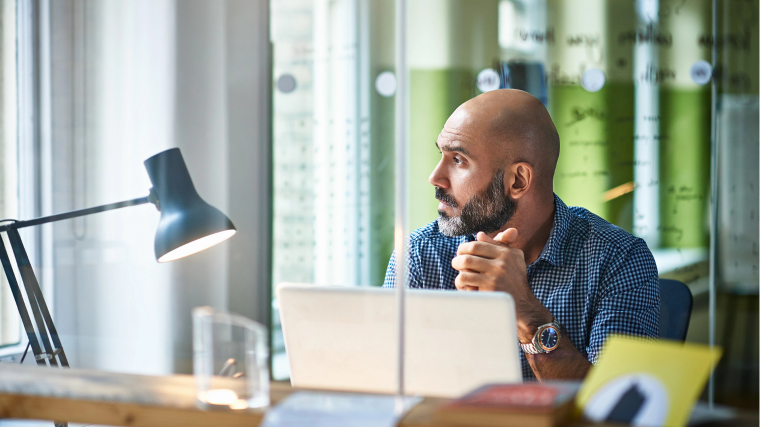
point(188, 224)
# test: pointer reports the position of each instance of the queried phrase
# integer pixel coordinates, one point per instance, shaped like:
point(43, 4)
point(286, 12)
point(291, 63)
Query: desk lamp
point(188, 225)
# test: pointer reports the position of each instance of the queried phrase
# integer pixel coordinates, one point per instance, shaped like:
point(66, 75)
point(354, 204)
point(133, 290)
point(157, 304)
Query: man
point(574, 277)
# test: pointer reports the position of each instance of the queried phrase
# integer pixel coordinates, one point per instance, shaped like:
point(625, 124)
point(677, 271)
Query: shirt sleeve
point(390, 272)
point(630, 302)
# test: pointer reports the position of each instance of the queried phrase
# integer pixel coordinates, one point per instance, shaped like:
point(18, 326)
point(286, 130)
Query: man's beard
point(486, 211)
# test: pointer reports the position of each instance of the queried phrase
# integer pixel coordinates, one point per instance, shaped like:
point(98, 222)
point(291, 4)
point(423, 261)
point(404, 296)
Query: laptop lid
point(344, 338)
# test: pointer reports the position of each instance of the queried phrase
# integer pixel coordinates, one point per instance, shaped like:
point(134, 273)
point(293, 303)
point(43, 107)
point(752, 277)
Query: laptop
point(345, 338)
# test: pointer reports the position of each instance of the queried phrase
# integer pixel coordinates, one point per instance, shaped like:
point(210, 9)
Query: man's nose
point(438, 177)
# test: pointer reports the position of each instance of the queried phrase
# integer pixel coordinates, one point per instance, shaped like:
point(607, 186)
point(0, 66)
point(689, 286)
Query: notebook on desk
point(342, 338)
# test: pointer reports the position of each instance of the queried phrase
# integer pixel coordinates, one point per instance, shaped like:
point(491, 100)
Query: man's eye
point(457, 160)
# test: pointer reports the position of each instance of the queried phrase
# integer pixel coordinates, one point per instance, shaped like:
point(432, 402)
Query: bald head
point(516, 126)
point(498, 155)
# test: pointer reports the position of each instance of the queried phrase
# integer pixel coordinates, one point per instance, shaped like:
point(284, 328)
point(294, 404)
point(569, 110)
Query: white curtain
point(10, 331)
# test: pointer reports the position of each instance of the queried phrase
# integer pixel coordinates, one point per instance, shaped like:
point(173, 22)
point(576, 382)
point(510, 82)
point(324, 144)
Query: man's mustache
point(445, 197)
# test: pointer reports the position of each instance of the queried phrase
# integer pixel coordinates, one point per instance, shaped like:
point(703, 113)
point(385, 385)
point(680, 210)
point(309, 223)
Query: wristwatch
point(546, 339)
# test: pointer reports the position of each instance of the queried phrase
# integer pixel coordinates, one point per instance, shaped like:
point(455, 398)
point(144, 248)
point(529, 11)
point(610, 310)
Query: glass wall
point(333, 145)
point(736, 238)
point(635, 141)
point(627, 83)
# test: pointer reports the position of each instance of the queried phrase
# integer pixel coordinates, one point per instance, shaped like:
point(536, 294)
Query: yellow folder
point(646, 382)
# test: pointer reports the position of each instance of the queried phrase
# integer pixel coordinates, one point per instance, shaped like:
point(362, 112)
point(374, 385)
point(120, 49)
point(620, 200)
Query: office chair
point(675, 309)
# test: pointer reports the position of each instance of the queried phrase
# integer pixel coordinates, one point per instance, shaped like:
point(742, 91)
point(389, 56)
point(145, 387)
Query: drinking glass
point(230, 361)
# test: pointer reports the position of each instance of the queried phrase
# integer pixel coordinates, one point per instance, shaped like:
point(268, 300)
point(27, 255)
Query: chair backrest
point(675, 309)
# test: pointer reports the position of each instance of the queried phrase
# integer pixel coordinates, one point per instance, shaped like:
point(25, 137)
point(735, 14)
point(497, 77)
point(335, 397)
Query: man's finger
point(459, 283)
point(467, 279)
point(470, 263)
point(507, 237)
point(481, 249)
point(483, 237)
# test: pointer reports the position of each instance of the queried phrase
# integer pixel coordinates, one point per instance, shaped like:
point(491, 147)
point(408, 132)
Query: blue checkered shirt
point(594, 277)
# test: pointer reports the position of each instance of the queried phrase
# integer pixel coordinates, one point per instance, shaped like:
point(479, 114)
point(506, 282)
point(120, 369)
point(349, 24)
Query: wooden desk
point(94, 397)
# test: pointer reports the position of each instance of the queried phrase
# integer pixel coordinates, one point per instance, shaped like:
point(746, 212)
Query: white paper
point(318, 409)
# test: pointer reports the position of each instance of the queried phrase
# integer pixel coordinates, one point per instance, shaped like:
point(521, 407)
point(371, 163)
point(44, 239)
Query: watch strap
point(530, 348)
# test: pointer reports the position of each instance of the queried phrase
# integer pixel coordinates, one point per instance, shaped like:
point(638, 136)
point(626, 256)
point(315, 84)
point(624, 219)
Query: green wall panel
point(433, 96)
point(684, 166)
point(596, 148)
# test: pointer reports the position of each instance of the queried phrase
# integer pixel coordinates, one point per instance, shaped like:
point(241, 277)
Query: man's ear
point(520, 179)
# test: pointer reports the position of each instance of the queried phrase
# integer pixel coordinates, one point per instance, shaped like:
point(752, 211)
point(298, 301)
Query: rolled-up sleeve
point(630, 302)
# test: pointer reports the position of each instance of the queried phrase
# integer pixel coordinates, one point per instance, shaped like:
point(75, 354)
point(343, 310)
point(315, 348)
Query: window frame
point(30, 19)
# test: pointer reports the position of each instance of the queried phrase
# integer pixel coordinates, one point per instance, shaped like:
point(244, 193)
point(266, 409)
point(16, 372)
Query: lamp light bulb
point(197, 245)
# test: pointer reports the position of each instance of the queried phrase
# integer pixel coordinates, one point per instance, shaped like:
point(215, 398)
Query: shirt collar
point(552, 252)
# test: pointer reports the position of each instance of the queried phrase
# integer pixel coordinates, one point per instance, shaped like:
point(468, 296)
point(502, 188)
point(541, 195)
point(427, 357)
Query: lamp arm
point(77, 213)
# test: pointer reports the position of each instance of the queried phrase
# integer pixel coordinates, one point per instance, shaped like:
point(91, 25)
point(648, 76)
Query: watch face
point(549, 338)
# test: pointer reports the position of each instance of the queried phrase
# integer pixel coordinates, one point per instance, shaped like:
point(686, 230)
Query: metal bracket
point(47, 356)
point(153, 198)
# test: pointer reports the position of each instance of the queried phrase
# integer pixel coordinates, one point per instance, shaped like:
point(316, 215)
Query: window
point(102, 86)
